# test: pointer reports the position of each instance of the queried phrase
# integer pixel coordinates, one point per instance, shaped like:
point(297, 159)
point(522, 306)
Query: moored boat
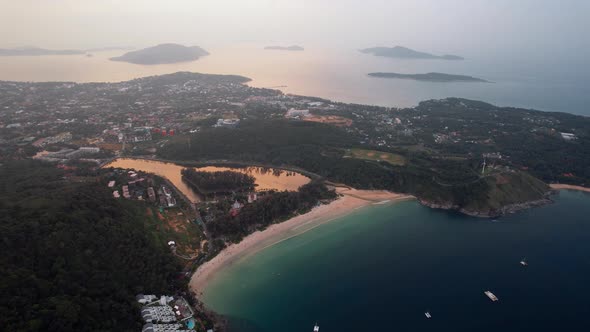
point(491, 296)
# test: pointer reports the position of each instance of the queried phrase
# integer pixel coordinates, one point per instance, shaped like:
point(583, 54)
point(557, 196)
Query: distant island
point(109, 48)
point(162, 54)
point(36, 51)
point(406, 53)
point(430, 77)
point(285, 48)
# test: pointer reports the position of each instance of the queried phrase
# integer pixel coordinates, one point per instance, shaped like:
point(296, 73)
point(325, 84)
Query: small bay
point(380, 268)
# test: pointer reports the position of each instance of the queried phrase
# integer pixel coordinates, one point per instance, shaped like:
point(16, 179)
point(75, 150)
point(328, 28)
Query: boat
point(491, 296)
point(427, 314)
point(523, 262)
point(316, 328)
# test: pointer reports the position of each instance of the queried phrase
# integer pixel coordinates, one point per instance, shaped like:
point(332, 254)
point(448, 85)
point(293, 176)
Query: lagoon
point(265, 178)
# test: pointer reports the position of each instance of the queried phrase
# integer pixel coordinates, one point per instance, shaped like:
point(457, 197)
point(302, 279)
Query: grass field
point(392, 158)
point(335, 120)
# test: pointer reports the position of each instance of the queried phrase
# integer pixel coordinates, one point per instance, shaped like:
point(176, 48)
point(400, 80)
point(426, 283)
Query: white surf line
point(382, 202)
point(305, 223)
point(297, 234)
point(309, 229)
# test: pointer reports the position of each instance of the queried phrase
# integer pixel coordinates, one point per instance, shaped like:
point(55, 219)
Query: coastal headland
point(348, 201)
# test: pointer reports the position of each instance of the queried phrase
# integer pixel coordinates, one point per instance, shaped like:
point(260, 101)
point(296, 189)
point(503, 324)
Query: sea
point(538, 80)
point(382, 267)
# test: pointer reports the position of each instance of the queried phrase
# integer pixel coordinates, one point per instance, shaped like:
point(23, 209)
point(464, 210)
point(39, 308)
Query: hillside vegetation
point(73, 258)
point(217, 182)
point(321, 149)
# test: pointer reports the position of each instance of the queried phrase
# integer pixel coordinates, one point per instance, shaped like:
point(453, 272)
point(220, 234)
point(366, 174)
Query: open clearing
point(392, 158)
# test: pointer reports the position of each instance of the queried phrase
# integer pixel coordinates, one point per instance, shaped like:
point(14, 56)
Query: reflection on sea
point(341, 75)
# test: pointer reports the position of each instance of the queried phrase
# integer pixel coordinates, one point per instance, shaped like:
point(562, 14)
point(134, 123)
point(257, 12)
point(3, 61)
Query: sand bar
point(558, 186)
point(350, 200)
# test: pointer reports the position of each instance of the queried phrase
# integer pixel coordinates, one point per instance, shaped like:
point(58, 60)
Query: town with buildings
point(168, 314)
point(68, 122)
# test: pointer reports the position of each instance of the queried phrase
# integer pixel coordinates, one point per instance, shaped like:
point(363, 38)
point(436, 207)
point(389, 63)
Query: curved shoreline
point(558, 186)
point(350, 201)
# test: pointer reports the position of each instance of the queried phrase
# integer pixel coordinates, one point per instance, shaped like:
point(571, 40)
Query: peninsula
point(285, 48)
point(162, 54)
point(401, 52)
point(430, 77)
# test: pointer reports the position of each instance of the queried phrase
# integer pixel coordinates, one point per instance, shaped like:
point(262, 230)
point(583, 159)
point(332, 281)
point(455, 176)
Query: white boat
point(523, 262)
point(316, 328)
point(491, 296)
point(427, 314)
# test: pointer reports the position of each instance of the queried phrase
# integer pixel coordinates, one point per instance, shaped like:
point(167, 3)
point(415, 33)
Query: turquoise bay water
point(381, 268)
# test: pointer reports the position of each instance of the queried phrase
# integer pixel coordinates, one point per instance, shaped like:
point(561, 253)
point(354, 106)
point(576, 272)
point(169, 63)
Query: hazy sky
point(460, 26)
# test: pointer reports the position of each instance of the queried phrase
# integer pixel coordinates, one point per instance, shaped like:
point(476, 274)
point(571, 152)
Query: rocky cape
point(489, 213)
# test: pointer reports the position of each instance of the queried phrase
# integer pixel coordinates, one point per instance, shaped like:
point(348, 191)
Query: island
point(401, 52)
point(285, 48)
point(36, 51)
point(162, 54)
point(430, 77)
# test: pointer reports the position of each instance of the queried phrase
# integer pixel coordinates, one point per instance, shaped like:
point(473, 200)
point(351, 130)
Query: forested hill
point(72, 257)
point(447, 182)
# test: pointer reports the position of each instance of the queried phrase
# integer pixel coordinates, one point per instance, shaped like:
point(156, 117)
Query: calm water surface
point(381, 268)
point(340, 75)
point(265, 178)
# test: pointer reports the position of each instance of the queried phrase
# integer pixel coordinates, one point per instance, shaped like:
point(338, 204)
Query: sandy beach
point(350, 200)
point(558, 186)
